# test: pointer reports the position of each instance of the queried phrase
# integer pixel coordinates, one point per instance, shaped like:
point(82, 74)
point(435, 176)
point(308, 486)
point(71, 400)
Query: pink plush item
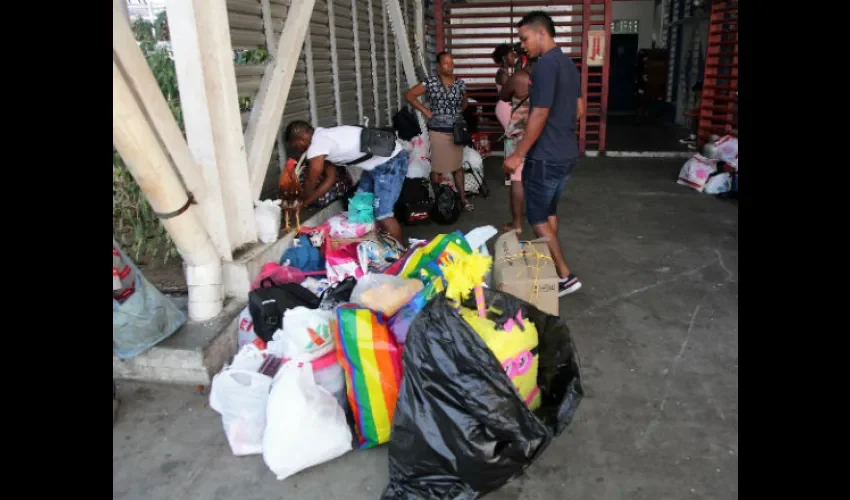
point(280, 275)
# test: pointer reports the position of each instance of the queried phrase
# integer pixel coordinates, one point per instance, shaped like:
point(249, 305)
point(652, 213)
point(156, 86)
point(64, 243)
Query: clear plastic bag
point(144, 319)
point(384, 293)
point(306, 424)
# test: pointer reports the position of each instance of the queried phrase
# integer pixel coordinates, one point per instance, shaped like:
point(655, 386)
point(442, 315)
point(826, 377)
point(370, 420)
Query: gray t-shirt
point(556, 84)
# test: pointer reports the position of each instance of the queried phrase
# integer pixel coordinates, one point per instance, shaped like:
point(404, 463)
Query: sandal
point(468, 206)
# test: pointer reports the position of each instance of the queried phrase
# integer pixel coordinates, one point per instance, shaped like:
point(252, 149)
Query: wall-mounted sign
point(595, 48)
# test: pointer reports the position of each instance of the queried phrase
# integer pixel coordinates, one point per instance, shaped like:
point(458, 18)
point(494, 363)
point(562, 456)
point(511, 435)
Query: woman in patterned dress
point(447, 99)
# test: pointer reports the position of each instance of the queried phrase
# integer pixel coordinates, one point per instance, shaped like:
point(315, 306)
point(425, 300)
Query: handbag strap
point(360, 160)
point(513, 110)
point(520, 103)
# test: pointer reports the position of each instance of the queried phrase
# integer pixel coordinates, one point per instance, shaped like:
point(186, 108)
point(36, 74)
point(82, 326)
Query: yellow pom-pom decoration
point(465, 272)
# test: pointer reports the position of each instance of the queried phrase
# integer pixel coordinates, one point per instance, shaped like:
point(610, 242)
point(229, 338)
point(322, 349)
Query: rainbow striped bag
point(371, 359)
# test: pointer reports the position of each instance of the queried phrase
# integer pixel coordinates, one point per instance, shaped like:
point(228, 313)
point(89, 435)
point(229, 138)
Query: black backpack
point(414, 203)
point(406, 124)
point(268, 303)
point(446, 209)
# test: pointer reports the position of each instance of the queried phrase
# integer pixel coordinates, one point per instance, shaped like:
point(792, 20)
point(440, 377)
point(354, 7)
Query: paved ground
point(656, 325)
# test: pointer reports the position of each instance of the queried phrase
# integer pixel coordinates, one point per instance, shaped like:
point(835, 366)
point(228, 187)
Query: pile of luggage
point(352, 341)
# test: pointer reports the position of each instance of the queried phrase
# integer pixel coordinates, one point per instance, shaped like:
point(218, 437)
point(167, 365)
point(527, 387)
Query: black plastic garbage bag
point(460, 428)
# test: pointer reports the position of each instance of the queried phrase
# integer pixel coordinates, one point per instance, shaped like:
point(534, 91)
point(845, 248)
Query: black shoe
point(568, 285)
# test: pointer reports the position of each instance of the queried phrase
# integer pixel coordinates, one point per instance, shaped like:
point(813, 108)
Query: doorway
point(621, 79)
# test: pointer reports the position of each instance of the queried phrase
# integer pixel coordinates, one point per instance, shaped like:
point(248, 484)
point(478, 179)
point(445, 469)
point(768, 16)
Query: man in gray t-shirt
point(549, 147)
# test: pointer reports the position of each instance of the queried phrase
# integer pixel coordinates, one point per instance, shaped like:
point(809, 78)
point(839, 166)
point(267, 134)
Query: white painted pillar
point(125, 9)
point(151, 166)
point(196, 119)
point(203, 47)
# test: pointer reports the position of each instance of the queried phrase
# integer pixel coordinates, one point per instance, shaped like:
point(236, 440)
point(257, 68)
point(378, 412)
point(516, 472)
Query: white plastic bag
point(240, 397)
point(695, 172)
point(245, 333)
point(727, 149)
point(718, 184)
point(419, 164)
point(472, 164)
point(306, 334)
point(267, 217)
point(473, 157)
point(249, 358)
point(306, 424)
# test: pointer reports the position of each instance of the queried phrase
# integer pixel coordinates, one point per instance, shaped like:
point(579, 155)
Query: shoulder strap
point(520, 102)
point(360, 160)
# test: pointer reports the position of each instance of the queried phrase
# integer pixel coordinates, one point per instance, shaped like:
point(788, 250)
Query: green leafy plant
point(252, 56)
point(134, 223)
point(161, 27)
point(143, 31)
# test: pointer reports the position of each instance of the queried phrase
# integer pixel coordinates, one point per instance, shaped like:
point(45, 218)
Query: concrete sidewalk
point(656, 325)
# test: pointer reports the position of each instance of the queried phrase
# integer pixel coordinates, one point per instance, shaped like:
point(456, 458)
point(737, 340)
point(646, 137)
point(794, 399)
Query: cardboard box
point(528, 274)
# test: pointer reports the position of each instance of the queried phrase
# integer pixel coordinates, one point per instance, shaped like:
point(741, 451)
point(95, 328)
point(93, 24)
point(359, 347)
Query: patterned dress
point(445, 102)
point(519, 120)
point(446, 107)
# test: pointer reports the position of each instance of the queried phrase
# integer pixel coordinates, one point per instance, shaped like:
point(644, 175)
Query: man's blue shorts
point(543, 182)
point(385, 181)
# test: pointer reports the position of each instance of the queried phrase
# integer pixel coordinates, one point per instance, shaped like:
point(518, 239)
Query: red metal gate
point(470, 32)
point(719, 103)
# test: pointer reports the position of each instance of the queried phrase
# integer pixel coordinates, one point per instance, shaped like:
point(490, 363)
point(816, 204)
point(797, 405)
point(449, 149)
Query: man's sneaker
point(568, 285)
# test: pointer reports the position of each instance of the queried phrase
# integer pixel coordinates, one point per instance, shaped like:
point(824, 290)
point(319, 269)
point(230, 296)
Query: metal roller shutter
point(346, 62)
point(364, 40)
point(373, 63)
point(322, 66)
point(391, 97)
point(379, 22)
point(246, 32)
point(430, 38)
point(246, 24)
